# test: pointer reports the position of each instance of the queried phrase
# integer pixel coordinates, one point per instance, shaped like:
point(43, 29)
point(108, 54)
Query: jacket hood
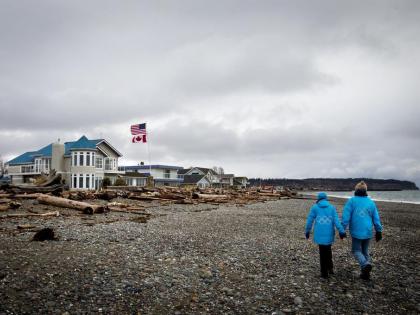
point(321, 196)
point(323, 203)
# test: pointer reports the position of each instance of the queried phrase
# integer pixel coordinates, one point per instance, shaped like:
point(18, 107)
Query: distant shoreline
point(331, 195)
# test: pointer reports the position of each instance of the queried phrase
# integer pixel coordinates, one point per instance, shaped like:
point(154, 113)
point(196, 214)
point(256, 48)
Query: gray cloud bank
point(272, 88)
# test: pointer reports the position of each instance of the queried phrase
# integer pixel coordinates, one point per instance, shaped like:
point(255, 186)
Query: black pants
point(325, 258)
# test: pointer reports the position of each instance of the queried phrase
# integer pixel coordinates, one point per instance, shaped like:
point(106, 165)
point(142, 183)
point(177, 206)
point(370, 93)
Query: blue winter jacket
point(362, 215)
point(325, 217)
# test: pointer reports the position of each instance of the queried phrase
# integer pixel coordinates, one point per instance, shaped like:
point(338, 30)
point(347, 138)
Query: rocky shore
point(203, 259)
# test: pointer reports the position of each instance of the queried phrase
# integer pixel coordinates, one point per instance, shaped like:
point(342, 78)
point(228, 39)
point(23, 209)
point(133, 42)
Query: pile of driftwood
point(53, 193)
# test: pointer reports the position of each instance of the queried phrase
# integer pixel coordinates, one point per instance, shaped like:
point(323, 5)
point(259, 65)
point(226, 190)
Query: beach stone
point(206, 274)
point(298, 301)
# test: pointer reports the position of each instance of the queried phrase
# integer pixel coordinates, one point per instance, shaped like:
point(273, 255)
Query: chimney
point(57, 157)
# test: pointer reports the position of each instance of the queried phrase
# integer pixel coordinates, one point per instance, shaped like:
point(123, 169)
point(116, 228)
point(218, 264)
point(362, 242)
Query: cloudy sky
point(263, 88)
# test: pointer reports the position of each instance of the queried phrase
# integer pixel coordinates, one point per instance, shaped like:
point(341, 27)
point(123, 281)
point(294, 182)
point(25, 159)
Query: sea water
point(405, 196)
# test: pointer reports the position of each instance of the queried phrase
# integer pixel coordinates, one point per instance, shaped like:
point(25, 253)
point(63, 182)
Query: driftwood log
point(19, 189)
point(72, 204)
point(26, 215)
point(209, 196)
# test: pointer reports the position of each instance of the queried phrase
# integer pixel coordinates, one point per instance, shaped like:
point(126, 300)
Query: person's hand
point(307, 235)
point(343, 235)
point(378, 236)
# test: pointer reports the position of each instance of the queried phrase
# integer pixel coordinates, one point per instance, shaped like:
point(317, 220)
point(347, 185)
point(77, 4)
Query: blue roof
point(146, 167)
point(29, 157)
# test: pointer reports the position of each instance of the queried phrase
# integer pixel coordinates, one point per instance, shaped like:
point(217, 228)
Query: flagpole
point(148, 151)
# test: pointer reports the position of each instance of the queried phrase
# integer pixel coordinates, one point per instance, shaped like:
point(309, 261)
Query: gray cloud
point(269, 88)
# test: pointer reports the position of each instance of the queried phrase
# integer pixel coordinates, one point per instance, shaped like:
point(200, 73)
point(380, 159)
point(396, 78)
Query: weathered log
point(54, 189)
point(5, 200)
point(133, 211)
point(52, 179)
point(269, 194)
point(143, 197)
point(4, 195)
point(209, 196)
point(72, 204)
point(26, 215)
point(27, 196)
point(171, 195)
point(106, 195)
point(184, 201)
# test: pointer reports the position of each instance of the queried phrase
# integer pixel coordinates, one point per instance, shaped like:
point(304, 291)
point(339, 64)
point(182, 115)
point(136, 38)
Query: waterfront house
point(211, 176)
point(200, 181)
point(83, 164)
point(163, 175)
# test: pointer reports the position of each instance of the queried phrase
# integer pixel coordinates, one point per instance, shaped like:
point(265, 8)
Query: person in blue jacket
point(361, 214)
point(325, 217)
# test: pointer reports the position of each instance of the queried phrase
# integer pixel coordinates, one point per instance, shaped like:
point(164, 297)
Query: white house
point(83, 164)
point(163, 175)
point(211, 176)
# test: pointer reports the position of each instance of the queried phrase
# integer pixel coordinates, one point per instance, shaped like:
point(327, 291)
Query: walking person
point(325, 217)
point(361, 214)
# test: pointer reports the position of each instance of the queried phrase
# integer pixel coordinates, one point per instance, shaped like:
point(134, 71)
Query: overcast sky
point(262, 88)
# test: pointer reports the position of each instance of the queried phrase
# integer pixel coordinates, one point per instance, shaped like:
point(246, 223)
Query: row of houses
point(83, 164)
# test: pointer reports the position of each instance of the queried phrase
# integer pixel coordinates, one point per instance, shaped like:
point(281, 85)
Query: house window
point(87, 158)
point(81, 158)
point(27, 169)
point(167, 174)
point(81, 181)
point(110, 164)
point(74, 183)
point(99, 162)
point(37, 165)
point(74, 158)
point(87, 181)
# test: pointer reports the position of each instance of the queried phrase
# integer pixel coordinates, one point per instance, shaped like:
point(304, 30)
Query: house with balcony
point(226, 180)
point(211, 176)
point(83, 164)
point(163, 175)
point(240, 182)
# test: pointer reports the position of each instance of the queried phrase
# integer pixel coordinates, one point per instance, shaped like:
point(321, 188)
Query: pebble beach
point(203, 259)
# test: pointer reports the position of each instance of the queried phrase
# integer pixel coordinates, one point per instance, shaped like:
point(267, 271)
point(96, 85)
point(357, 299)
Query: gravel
point(203, 259)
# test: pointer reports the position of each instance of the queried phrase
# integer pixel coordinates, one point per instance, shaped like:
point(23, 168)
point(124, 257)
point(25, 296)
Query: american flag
point(138, 129)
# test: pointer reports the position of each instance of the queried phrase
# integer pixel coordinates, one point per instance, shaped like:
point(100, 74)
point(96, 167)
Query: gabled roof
point(227, 176)
point(193, 179)
point(201, 169)
point(183, 171)
point(83, 143)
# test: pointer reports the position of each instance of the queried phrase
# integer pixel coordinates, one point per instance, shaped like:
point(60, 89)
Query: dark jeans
point(360, 249)
point(325, 258)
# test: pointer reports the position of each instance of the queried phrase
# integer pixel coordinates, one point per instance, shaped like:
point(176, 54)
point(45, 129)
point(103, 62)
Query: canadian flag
point(139, 139)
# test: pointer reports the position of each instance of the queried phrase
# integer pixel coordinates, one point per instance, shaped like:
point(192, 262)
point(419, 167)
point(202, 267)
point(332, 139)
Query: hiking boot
point(365, 275)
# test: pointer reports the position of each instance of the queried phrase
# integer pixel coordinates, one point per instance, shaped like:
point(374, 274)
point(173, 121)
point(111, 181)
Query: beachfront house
point(83, 164)
point(192, 181)
point(211, 176)
point(163, 175)
point(240, 182)
point(226, 180)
